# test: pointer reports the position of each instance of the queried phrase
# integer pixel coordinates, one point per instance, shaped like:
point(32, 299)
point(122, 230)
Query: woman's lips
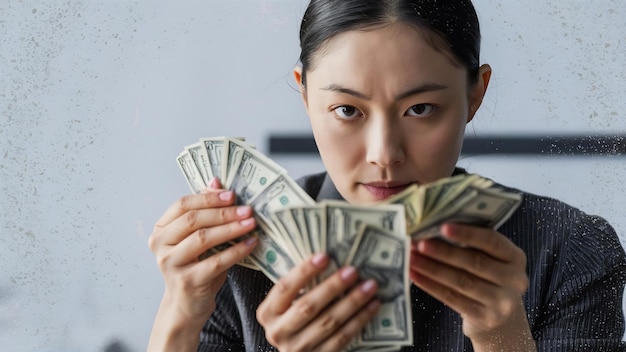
point(382, 190)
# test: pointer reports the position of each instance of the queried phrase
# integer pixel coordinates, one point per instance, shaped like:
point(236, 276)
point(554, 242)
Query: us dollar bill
point(190, 170)
point(449, 190)
point(383, 255)
point(201, 159)
point(342, 222)
point(283, 192)
point(253, 173)
point(303, 234)
point(214, 148)
point(312, 224)
point(301, 216)
point(269, 256)
point(288, 233)
point(487, 208)
point(412, 201)
point(231, 156)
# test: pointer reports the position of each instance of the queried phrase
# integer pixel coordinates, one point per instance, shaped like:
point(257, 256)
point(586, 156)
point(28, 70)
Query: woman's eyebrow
point(337, 88)
point(427, 87)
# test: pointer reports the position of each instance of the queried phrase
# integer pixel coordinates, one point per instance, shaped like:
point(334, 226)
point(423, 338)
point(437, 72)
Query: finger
point(284, 318)
point(485, 312)
point(194, 220)
point(473, 261)
point(349, 331)
point(486, 240)
point(188, 250)
point(446, 295)
point(453, 279)
point(334, 317)
point(287, 288)
point(214, 184)
point(219, 263)
point(210, 199)
point(308, 307)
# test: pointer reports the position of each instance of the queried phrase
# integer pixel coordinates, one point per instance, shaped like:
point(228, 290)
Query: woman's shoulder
point(312, 184)
point(543, 224)
point(543, 207)
point(544, 211)
point(546, 214)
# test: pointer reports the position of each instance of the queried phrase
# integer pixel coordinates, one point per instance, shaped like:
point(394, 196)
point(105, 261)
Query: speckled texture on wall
point(98, 97)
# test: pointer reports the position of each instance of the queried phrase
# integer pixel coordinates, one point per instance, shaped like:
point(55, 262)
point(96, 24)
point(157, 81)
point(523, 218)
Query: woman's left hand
point(482, 276)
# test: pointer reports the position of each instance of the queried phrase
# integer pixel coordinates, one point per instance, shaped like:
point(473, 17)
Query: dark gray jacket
point(576, 266)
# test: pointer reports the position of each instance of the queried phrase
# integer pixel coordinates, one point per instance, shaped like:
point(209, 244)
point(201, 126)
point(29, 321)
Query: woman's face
point(387, 110)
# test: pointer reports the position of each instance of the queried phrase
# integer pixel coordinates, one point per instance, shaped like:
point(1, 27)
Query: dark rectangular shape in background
point(572, 145)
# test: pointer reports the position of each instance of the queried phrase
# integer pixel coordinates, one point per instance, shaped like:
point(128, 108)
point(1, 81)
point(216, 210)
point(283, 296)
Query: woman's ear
point(297, 75)
point(478, 90)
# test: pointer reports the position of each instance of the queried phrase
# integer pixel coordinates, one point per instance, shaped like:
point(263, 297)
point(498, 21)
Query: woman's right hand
point(190, 227)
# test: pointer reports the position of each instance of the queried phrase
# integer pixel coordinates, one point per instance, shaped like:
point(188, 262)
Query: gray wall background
point(98, 97)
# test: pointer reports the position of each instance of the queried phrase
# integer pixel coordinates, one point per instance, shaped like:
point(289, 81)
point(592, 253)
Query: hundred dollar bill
point(308, 244)
point(253, 174)
point(384, 256)
point(189, 169)
point(214, 148)
point(312, 225)
point(201, 159)
point(305, 242)
point(488, 208)
point(269, 256)
point(342, 222)
point(438, 193)
point(281, 193)
point(412, 201)
point(231, 157)
point(288, 235)
point(449, 189)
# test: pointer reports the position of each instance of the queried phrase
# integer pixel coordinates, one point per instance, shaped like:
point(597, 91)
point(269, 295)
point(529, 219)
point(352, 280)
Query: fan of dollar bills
point(375, 239)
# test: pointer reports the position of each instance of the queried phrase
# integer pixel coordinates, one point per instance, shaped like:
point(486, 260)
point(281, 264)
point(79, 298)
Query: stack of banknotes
point(374, 238)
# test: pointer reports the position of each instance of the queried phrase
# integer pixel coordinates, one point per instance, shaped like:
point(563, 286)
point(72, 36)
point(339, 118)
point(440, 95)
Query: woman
point(389, 86)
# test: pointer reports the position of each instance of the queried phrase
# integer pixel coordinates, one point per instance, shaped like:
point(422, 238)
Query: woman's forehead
point(393, 52)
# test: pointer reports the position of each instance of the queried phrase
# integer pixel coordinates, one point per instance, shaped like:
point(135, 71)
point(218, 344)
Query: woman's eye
point(421, 110)
point(347, 112)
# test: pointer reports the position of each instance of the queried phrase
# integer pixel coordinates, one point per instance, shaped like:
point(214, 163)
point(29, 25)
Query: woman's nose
point(385, 145)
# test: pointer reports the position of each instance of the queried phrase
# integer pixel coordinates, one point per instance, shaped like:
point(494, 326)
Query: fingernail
point(251, 241)
point(243, 210)
point(226, 195)
point(319, 259)
point(373, 305)
point(368, 286)
point(348, 273)
point(214, 183)
point(446, 230)
point(246, 222)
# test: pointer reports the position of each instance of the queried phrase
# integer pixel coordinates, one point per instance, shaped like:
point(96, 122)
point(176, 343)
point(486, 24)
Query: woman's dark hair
point(451, 26)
